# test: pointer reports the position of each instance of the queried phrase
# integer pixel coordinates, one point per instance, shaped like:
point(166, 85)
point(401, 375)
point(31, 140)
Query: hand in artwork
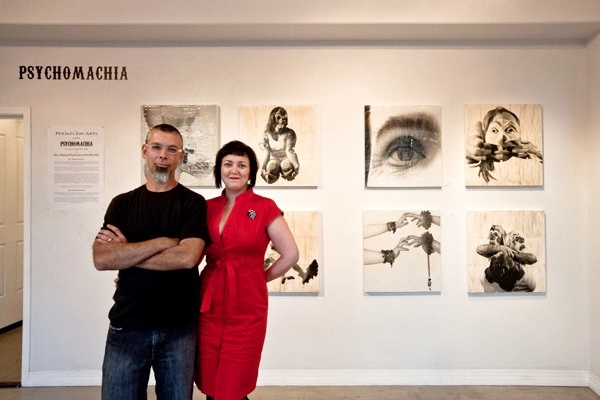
point(477, 150)
point(522, 149)
point(481, 148)
point(290, 173)
point(402, 245)
point(311, 271)
point(265, 175)
point(403, 220)
point(372, 257)
point(424, 219)
point(488, 250)
point(426, 242)
point(507, 251)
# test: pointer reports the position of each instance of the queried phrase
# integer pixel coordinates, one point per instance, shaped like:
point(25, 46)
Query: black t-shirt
point(157, 299)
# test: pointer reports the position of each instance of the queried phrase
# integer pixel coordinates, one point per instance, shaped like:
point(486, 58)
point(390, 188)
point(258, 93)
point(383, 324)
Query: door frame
point(24, 113)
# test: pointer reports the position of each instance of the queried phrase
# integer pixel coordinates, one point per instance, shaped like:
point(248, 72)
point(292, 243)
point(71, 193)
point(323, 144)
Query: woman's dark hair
point(492, 114)
point(272, 122)
point(236, 148)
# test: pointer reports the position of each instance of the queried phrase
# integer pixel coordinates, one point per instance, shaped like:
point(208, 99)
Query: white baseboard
point(360, 378)
point(62, 378)
point(422, 377)
point(595, 383)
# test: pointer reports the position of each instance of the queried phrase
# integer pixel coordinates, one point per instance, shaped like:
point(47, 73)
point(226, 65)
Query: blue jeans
point(130, 354)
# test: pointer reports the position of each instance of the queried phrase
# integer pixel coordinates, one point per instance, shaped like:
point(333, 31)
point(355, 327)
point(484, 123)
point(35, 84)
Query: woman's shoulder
point(266, 205)
point(257, 198)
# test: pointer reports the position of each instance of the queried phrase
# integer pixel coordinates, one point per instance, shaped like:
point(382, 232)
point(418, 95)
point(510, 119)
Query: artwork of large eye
point(404, 143)
point(404, 152)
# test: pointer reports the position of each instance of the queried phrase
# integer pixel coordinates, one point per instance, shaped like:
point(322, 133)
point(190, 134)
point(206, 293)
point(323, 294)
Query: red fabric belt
point(230, 286)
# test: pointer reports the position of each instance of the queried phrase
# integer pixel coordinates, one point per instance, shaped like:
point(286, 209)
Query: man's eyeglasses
point(158, 148)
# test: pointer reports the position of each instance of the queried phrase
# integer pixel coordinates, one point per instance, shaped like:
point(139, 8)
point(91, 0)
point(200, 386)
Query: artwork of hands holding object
point(409, 223)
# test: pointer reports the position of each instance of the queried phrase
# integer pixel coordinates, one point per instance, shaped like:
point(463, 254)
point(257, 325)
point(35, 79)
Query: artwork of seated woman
point(279, 146)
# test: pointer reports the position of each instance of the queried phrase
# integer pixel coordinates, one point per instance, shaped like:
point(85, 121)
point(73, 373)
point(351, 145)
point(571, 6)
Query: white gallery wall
point(348, 335)
point(593, 210)
point(342, 335)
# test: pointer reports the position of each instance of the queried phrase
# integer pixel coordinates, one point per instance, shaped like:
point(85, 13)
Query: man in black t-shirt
point(154, 236)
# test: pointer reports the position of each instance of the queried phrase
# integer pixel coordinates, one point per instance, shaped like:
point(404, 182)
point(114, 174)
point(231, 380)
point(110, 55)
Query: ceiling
point(203, 34)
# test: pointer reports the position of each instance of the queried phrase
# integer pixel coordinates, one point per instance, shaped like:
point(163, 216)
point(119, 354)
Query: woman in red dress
point(233, 314)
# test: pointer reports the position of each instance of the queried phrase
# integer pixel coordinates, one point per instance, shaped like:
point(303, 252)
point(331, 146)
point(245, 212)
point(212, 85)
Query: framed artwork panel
point(200, 128)
point(503, 145)
point(403, 146)
point(305, 276)
point(401, 251)
point(506, 251)
point(285, 139)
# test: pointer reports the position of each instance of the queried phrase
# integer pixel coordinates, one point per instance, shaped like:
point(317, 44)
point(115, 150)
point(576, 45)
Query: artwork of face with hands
point(498, 138)
point(402, 146)
point(501, 126)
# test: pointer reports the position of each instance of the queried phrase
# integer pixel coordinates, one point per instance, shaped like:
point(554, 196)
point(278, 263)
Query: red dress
point(233, 313)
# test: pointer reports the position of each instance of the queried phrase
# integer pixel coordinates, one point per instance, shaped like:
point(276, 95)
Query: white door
point(11, 220)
